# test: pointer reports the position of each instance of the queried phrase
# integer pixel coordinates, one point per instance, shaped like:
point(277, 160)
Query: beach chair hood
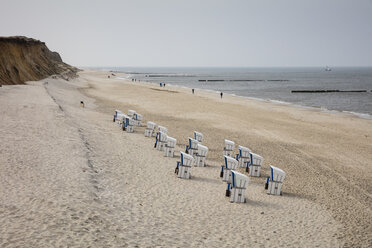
point(239, 180)
point(229, 145)
point(230, 163)
point(198, 136)
point(256, 159)
point(186, 159)
point(202, 150)
point(276, 174)
point(162, 129)
point(244, 151)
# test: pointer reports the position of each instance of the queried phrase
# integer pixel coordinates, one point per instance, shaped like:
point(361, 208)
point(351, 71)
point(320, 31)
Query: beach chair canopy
point(198, 136)
point(117, 112)
point(129, 121)
point(131, 112)
point(138, 117)
point(193, 143)
point(276, 175)
point(256, 159)
point(171, 142)
point(230, 163)
point(151, 125)
point(163, 137)
point(229, 145)
point(244, 151)
point(162, 129)
point(239, 180)
point(121, 117)
point(186, 159)
point(202, 150)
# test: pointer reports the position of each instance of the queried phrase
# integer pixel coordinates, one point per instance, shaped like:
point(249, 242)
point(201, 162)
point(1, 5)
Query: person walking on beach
point(193, 91)
point(221, 95)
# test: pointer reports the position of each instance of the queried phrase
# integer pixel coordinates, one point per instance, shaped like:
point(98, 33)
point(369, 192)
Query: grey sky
point(197, 33)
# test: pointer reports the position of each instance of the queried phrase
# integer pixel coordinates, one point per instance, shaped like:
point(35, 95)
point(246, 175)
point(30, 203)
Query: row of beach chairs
point(195, 155)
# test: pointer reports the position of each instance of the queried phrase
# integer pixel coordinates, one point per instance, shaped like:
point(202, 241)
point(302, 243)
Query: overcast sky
point(197, 33)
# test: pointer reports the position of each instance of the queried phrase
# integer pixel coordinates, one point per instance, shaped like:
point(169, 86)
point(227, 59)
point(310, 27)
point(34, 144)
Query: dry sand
point(70, 177)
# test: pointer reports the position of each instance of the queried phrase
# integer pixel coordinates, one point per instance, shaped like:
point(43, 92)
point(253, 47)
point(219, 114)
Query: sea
point(340, 89)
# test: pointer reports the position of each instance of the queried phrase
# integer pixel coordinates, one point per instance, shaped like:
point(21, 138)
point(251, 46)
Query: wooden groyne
point(328, 91)
point(242, 80)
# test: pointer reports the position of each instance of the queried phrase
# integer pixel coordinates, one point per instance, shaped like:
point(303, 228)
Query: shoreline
point(365, 116)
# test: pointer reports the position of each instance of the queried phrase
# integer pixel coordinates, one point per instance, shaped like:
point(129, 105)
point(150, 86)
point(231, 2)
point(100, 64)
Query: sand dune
point(71, 177)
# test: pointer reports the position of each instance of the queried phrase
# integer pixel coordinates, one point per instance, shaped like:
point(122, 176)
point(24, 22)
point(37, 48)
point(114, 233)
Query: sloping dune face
point(24, 59)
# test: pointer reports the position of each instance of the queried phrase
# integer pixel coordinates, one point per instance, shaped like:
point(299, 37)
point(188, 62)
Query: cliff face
point(24, 59)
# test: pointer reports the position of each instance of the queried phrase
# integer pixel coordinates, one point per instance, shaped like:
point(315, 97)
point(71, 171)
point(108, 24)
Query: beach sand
point(71, 177)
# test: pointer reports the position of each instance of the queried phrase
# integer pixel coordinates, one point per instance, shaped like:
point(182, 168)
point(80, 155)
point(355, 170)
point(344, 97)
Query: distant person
point(193, 91)
point(221, 95)
point(164, 84)
point(161, 84)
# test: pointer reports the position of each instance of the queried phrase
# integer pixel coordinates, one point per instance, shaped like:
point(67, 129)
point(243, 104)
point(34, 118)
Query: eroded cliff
point(24, 59)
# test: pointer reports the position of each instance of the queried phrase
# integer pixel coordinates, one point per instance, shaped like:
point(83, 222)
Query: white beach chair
point(243, 156)
point(230, 164)
point(229, 148)
point(192, 147)
point(150, 129)
point(198, 136)
point(137, 119)
point(128, 124)
point(201, 155)
point(275, 181)
point(161, 140)
point(183, 169)
point(116, 114)
point(169, 147)
point(131, 113)
point(120, 118)
point(253, 167)
point(239, 183)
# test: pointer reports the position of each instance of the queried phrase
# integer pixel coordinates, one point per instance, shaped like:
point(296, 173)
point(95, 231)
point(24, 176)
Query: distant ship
point(328, 69)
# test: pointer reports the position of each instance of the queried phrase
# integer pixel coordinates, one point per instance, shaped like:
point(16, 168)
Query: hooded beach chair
point(243, 156)
point(253, 167)
point(161, 140)
point(228, 150)
point(128, 124)
point(116, 114)
point(131, 113)
point(274, 181)
point(238, 185)
point(150, 129)
point(192, 147)
point(137, 119)
point(120, 119)
point(183, 169)
point(230, 164)
point(198, 136)
point(169, 147)
point(201, 155)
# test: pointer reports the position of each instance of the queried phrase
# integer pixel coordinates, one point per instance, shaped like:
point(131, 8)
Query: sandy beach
point(70, 177)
